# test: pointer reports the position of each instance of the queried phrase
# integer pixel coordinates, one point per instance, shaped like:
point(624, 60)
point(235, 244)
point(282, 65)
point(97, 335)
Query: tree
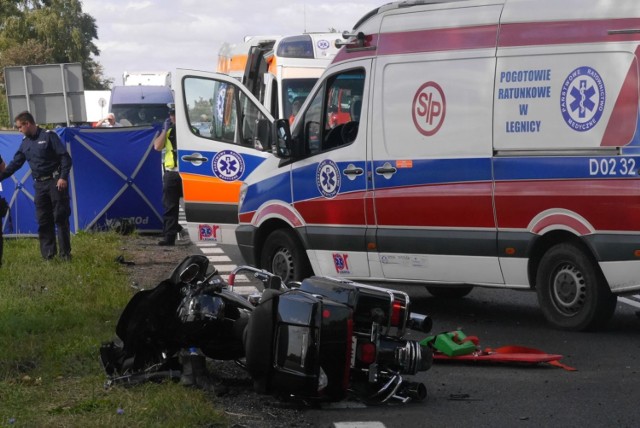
point(34, 32)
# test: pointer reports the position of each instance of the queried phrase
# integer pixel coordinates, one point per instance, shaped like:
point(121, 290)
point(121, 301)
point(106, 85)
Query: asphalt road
point(604, 390)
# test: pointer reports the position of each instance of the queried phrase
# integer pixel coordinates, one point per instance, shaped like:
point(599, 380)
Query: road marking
point(373, 424)
point(211, 250)
point(226, 268)
point(218, 259)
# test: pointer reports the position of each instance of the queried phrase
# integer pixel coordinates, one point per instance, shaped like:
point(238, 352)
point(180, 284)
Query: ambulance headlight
point(243, 193)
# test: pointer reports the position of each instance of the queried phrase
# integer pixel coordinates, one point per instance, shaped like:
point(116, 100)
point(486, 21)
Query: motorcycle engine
point(201, 307)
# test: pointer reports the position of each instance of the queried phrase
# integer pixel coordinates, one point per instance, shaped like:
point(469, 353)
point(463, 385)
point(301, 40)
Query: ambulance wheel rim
point(569, 289)
point(282, 264)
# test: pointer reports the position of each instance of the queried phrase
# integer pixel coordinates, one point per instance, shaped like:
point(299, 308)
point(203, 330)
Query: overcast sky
point(162, 35)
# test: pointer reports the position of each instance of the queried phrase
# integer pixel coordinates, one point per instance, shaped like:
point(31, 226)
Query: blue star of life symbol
point(339, 261)
point(582, 99)
point(328, 178)
point(228, 165)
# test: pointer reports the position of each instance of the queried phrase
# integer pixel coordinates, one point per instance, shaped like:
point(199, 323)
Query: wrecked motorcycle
point(323, 339)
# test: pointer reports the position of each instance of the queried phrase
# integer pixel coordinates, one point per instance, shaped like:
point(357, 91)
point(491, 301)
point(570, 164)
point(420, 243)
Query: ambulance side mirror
point(282, 140)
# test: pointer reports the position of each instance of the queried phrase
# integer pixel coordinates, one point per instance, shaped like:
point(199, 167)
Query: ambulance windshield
point(294, 92)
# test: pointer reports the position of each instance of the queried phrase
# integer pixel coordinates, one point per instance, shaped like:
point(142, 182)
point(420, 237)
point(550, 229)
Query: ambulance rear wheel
point(572, 291)
point(284, 256)
point(449, 292)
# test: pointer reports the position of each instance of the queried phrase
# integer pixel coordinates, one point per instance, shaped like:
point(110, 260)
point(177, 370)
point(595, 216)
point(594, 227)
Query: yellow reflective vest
point(170, 152)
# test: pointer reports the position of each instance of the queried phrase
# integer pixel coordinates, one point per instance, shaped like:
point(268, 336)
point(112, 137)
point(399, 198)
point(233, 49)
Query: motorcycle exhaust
point(420, 322)
point(408, 357)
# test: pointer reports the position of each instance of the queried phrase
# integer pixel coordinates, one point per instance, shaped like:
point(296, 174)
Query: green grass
point(53, 317)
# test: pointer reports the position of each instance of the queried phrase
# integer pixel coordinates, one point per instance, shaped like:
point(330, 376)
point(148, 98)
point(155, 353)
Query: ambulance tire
point(449, 292)
point(283, 255)
point(572, 291)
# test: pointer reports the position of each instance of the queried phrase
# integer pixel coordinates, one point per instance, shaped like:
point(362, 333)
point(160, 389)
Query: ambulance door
point(223, 133)
point(432, 146)
point(329, 181)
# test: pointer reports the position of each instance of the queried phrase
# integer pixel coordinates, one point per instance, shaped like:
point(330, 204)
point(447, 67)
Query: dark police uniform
point(49, 161)
point(1, 235)
point(171, 189)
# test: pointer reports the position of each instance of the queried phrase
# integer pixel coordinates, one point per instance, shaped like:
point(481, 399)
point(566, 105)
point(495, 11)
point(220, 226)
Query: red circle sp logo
point(429, 108)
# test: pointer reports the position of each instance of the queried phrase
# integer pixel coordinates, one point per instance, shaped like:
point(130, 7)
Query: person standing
point(50, 167)
point(108, 122)
point(171, 181)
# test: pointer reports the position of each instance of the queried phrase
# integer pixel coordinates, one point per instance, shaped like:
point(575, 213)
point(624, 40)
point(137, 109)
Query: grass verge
point(53, 317)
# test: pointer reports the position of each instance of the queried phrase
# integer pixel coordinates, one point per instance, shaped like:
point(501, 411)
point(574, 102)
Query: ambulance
point(279, 70)
point(489, 143)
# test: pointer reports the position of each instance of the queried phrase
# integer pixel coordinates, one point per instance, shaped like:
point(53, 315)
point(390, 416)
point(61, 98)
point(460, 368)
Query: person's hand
point(61, 184)
point(167, 124)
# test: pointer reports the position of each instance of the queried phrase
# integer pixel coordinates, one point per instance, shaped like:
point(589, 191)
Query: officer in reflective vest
point(171, 181)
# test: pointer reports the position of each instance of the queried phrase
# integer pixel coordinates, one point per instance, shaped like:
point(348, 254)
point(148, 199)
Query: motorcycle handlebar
point(268, 279)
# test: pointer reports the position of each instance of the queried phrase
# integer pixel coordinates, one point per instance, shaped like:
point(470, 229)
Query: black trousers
point(171, 194)
point(53, 208)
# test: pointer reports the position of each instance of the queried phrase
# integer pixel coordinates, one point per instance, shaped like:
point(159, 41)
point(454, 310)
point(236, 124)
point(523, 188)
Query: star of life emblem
point(582, 98)
point(228, 165)
point(328, 178)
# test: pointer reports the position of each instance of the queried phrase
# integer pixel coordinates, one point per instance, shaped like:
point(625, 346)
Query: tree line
point(35, 32)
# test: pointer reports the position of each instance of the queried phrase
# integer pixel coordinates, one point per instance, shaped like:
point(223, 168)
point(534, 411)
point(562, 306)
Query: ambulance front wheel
point(572, 291)
point(283, 255)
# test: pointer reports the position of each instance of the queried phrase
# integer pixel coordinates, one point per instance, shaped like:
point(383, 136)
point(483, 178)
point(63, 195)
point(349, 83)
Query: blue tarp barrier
point(116, 174)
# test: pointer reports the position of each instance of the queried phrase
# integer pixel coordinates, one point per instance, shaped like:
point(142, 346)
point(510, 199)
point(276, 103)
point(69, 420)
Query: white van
point(487, 143)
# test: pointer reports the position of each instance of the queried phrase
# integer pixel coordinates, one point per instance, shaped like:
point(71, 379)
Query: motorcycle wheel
point(283, 255)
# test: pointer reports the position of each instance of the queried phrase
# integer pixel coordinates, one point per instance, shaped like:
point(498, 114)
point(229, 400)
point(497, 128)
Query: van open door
point(223, 134)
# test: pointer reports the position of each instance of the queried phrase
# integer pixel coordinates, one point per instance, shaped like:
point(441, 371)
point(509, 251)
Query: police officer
point(171, 181)
point(50, 166)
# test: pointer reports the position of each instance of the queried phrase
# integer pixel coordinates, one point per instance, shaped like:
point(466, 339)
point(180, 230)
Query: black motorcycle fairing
point(284, 351)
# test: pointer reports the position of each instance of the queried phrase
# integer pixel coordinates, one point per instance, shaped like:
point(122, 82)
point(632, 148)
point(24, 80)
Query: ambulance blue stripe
point(436, 171)
point(561, 167)
point(251, 163)
point(305, 178)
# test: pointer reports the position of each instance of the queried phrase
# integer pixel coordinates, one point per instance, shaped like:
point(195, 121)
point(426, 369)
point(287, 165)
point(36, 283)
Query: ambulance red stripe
point(617, 209)
point(468, 205)
point(487, 36)
point(567, 32)
point(478, 37)
point(274, 210)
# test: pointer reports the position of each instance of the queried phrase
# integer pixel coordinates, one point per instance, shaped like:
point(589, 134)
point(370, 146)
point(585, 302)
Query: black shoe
point(166, 243)
point(65, 257)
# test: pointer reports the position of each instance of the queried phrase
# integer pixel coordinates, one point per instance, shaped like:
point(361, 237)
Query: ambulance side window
point(220, 111)
point(333, 116)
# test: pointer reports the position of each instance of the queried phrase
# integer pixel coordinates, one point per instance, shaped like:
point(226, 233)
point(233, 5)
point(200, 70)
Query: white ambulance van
point(487, 143)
